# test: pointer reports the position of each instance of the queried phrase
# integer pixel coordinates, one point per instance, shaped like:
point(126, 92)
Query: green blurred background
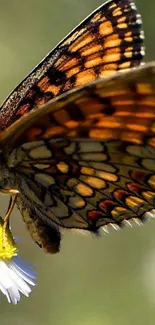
point(110, 280)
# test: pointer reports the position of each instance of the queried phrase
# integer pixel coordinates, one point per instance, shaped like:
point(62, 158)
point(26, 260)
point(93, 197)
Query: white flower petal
point(6, 282)
point(22, 274)
point(14, 294)
point(25, 267)
point(5, 278)
point(4, 291)
point(21, 285)
point(15, 277)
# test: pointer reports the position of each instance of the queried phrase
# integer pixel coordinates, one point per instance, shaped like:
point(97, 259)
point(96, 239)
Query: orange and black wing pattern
point(110, 39)
point(120, 107)
point(93, 164)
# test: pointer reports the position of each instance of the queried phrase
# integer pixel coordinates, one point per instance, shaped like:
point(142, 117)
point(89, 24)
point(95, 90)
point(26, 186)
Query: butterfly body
point(83, 158)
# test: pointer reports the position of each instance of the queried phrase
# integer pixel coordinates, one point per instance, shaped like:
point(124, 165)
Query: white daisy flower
point(16, 276)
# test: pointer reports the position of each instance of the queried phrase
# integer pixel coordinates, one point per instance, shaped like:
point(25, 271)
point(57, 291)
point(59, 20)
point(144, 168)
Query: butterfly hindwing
point(87, 184)
point(110, 39)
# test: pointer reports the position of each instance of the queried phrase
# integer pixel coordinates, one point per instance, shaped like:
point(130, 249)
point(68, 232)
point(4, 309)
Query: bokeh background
point(110, 280)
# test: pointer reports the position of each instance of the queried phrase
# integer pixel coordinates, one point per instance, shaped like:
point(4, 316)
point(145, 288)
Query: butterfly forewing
point(122, 107)
point(110, 39)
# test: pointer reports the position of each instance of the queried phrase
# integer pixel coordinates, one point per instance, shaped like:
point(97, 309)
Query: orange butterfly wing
point(110, 39)
point(99, 172)
point(121, 108)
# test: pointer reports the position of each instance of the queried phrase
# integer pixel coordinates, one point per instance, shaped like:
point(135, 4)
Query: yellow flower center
point(8, 247)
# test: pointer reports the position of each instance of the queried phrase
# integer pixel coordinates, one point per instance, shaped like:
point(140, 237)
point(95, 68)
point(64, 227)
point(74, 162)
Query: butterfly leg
point(8, 214)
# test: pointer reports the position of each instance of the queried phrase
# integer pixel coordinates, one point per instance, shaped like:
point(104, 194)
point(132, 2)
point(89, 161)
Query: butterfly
point(77, 135)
